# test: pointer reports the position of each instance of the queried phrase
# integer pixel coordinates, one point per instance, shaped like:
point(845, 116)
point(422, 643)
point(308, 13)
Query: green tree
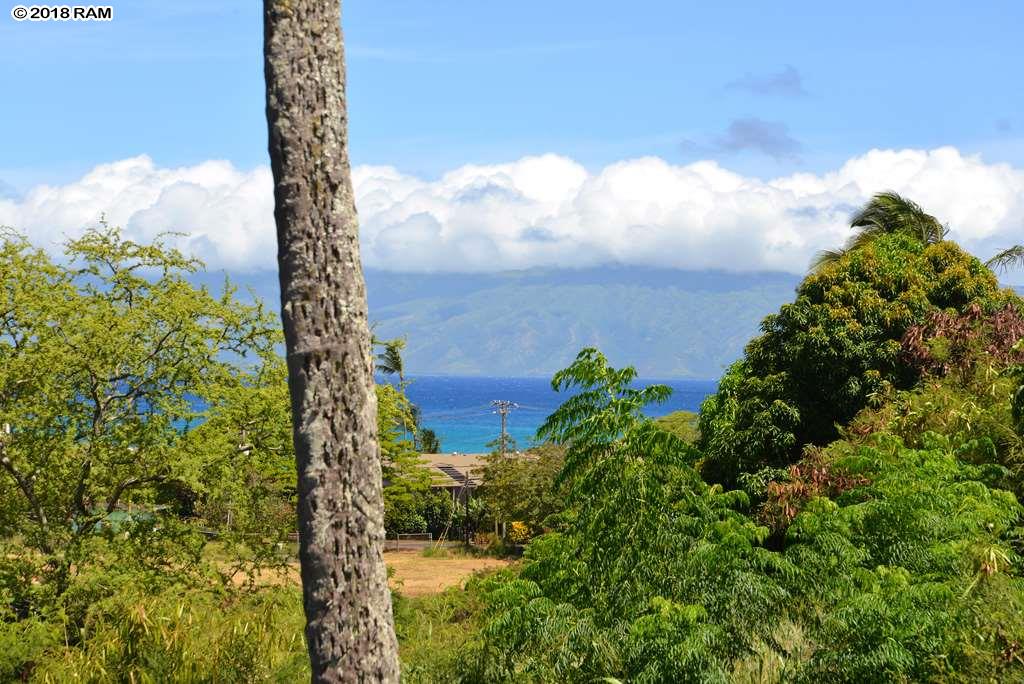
point(620, 587)
point(521, 487)
point(683, 424)
point(406, 479)
point(504, 443)
point(244, 487)
point(124, 390)
point(427, 441)
point(822, 356)
point(105, 365)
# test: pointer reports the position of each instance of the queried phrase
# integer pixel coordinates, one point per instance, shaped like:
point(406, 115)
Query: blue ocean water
point(459, 409)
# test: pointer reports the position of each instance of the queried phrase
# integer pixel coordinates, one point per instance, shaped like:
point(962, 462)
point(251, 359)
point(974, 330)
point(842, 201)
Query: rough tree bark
point(330, 368)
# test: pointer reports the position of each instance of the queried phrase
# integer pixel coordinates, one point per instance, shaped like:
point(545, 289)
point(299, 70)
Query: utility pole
point(465, 497)
point(503, 408)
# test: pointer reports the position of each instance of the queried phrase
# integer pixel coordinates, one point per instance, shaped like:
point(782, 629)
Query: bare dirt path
point(415, 575)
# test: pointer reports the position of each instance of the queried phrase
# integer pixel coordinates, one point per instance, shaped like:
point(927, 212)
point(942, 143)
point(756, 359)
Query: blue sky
point(438, 84)
point(764, 90)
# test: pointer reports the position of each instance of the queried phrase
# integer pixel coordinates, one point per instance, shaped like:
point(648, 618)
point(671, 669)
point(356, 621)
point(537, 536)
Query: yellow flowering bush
point(518, 532)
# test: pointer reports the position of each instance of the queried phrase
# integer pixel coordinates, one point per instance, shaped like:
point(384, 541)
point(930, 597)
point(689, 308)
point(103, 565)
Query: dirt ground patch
point(415, 575)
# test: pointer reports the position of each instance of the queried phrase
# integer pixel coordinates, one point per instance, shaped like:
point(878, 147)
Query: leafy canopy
point(621, 588)
point(820, 358)
point(106, 364)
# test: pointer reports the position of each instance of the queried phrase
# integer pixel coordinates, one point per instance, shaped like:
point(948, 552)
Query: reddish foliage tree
point(952, 342)
point(812, 477)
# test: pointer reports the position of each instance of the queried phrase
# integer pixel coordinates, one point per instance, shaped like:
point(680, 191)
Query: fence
point(413, 541)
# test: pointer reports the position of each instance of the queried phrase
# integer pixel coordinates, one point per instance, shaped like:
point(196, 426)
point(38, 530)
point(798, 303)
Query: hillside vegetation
point(845, 509)
point(536, 323)
point(669, 323)
point(849, 511)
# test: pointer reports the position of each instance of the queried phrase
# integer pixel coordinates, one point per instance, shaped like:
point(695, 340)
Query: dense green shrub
point(429, 511)
point(683, 424)
point(821, 357)
point(895, 574)
point(958, 343)
point(439, 635)
point(650, 568)
point(519, 488)
point(893, 563)
point(968, 365)
point(1017, 400)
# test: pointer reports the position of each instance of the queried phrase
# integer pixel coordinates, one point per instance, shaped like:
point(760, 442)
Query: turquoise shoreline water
point(459, 409)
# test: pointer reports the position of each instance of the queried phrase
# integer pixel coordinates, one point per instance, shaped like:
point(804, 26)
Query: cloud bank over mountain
point(541, 211)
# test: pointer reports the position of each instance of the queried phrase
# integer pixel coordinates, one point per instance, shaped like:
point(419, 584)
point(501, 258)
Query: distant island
point(670, 323)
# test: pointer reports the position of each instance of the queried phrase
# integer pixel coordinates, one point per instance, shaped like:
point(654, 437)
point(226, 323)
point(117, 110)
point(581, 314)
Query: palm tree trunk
point(349, 629)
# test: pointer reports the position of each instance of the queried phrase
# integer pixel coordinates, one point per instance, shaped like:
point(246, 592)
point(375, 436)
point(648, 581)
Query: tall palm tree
point(886, 213)
point(1008, 258)
point(349, 629)
point(389, 360)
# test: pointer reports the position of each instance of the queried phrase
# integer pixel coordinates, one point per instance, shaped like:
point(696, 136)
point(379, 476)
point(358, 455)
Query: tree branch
point(80, 489)
point(126, 484)
point(25, 484)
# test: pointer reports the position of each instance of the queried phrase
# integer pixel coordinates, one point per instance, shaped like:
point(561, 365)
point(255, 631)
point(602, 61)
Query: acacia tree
point(105, 363)
point(349, 630)
point(244, 486)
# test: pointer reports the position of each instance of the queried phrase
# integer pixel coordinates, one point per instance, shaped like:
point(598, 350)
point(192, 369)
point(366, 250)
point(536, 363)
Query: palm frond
point(826, 257)
point(886, 213)
point(389, 360)
point(1006, 259)
point(890, 212)
point(861, 239)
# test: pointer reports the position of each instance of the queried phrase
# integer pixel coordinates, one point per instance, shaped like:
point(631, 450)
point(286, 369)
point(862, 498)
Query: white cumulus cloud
point(226, 213)
point(542, 211)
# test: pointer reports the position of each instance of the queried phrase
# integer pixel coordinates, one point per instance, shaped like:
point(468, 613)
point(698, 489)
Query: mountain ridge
point(668, 323)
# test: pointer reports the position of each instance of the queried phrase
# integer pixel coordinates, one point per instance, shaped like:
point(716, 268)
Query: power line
point(503, 408)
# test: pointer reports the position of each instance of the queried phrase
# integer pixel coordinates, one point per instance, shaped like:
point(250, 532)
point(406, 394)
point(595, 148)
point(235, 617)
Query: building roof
point(450, 470)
